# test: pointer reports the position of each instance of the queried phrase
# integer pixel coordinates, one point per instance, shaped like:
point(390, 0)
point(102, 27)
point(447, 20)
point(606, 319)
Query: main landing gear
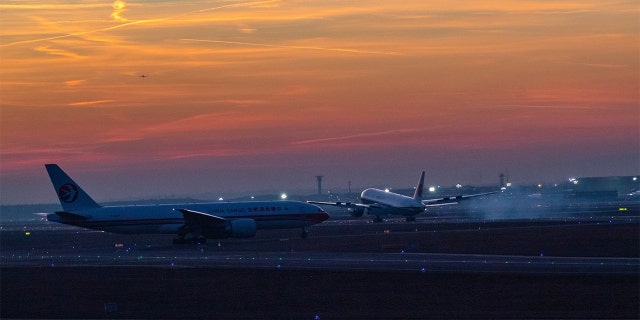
point(411, 219)
point(305, 233)
point(183, 239)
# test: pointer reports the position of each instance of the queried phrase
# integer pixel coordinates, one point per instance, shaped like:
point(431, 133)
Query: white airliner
point(190, 222)
point(382, 203)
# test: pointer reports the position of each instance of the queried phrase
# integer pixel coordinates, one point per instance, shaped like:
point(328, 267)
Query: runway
point(438, 268)
point(418, 262)
point(346, 245)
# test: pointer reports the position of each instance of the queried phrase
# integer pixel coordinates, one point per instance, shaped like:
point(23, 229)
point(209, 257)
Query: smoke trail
point(118, 8)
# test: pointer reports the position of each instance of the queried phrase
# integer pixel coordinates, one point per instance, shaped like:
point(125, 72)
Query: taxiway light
point(432, 189)
point(283, 196)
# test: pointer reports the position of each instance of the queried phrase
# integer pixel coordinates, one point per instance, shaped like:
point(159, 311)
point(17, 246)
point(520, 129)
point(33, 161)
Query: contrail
point(297, 47)
point(355, 136)
point(80, 33)
point(136, 22)
point(88, 103)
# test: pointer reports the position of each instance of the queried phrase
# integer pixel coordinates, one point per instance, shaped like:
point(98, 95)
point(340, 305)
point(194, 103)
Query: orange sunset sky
point(243, 97)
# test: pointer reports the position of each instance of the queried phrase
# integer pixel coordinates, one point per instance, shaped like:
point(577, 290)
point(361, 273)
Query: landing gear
point(179, 240)
point(411, 219)
point(377, 219)
point(182, 239)
point(305, 233)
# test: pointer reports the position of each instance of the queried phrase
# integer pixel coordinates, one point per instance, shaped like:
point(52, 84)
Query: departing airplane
point(192, 223)
point(381, 203)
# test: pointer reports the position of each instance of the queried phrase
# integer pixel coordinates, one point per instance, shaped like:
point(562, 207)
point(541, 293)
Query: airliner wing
point(214, 227)
point(350, 205)
point(195, 218)
point(452, 200)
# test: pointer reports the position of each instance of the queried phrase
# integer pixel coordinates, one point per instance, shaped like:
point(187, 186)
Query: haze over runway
point(184, 98)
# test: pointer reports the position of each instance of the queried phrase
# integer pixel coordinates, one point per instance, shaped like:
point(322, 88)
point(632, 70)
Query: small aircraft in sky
point(382, 203)
point(143, 76)
point(191, 223)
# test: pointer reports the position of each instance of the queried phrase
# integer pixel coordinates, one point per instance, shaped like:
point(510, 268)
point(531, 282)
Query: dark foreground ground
point(131, 290)
point(139, 292)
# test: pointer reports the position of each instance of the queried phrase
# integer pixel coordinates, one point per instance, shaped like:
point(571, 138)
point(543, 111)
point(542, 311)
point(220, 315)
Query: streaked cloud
point(89, 103)
point(58, 52)
point(547, 107)
point(357, 137)
point(50, 6)
point(312, 83)
point(73, 83)
point(295, 47)
point(119, 7)
point(595, 65)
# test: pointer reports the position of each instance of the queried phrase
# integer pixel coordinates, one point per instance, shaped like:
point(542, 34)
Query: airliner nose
point(322, 215)
point(319, 215)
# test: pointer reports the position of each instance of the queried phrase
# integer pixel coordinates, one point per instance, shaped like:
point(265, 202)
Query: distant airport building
point(319, 184)
point(603, 187)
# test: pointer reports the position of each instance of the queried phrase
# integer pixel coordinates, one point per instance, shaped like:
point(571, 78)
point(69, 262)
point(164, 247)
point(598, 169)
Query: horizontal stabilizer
point(71, 216)
point(454, 199)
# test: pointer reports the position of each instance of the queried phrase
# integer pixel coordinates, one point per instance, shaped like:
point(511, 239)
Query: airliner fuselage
point(388, 203)
point(168, 219)
point(199, 220)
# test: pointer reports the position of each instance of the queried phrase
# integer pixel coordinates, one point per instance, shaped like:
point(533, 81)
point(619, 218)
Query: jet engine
point(357, 212)
point(241, 228)
point(237, 228)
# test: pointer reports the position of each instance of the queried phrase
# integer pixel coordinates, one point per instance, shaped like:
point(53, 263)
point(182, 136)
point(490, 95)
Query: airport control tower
point(319, 184)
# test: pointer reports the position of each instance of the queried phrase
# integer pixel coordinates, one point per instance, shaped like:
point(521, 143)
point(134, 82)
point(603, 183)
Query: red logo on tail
point(68, 193)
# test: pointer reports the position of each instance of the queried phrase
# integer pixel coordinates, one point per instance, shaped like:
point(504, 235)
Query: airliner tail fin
point(417, 195)
point(71, 196)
